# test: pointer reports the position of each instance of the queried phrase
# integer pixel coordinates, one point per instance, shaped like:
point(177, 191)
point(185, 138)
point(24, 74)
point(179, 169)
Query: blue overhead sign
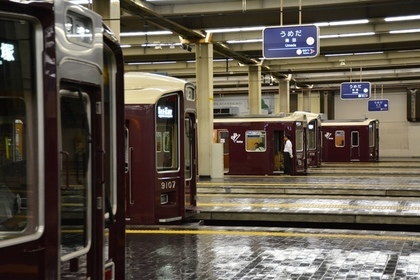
point(295, 41)
point(376, 105)
point(355, 90)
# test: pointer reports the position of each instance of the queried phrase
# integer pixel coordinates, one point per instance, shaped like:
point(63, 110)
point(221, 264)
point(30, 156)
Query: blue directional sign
point(380, 105)
point(355, 90)
point(296, 41)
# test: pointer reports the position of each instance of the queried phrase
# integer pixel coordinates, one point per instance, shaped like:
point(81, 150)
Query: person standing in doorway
point(287, 154)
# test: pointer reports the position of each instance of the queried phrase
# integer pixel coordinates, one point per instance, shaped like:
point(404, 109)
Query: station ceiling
point(383, 49)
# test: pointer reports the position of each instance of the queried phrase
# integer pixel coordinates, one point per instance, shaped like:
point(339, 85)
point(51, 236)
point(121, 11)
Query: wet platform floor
point(353, 193)
point(199, 253)
point(374, 194)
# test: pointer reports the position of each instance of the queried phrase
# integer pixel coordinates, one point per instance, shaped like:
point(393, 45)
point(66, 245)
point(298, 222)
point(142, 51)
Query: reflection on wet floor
point(374, 194)
point(211, 253)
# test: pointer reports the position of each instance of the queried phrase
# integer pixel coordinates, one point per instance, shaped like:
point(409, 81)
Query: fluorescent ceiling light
point(404, 31)
point(151, 62)
point(342, 22)
point(238, 29)
point(357, 34)
point(346, 35)
point(149, 33)
point(348, 54)
point(339, 54)
point(368, 53)
point(214, 60)
point(160, 44)
point(244, 41)
point(349, 22)
point(402, 18)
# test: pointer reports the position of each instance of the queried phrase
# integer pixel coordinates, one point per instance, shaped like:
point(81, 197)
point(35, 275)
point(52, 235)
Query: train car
point(240, 136)
point(161, 149)
point(350, 140)
point(314, 138)
point(61, 144)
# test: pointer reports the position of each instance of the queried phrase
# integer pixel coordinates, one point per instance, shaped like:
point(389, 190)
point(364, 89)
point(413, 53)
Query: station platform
point(340, 221)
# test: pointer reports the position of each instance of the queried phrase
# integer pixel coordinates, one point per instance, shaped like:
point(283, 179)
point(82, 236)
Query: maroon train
point(314, 138)
point(239, 136)
point(61, 144)
point(161, 149)
point(350, 140)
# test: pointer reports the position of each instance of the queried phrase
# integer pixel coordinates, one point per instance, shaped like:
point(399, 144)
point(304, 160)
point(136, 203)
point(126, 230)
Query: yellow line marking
point(278, 234)
point(337, 184)
point(301, 205)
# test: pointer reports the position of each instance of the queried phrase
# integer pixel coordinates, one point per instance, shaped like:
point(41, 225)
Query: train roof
point(261, 118)
point(309, 115)
point(356, 122)
point(141, 80)
point(145, 96)
point(148, 88)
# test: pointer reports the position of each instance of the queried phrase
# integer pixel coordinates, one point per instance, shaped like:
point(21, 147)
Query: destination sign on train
point(378, 105)
point(355, 90)
point(295, 41)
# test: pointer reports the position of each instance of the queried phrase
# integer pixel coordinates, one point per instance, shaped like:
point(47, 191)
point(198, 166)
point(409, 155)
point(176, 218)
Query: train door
point(374, 140)
point(354, 147)
point(278, 151)
point(190, 160)
point(300, 163)
point(223, 137)
point(76, 173)
point(128, 173)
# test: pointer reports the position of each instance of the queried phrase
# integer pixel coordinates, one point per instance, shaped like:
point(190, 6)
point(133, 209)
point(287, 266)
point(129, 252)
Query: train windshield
point(312, 135)
point(167, 146)
point(19, 128)
point(372, 129)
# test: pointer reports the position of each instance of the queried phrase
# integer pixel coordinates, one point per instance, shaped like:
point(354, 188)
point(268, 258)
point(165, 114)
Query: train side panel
point(255, 147)
point(355, 140)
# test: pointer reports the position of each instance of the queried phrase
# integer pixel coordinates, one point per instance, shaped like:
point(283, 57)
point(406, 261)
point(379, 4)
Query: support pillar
point(254, 95)
point(306, 102)
point(282, 100)
point(204, 58)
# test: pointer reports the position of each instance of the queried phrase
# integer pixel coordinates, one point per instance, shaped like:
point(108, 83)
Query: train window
point(110, 109)
point(372, 134)
point(158, 141)
point(167, 133)
point(190, 93)
point(299, 140)
point(13, 166)
point(355, 139)
point(20, 126)
point(167, 141)
point(255, 140)
point(339, 138)
point(311, 135)
point(75, 173)
point(188, 145)
point(223, 136)
point(79, 28)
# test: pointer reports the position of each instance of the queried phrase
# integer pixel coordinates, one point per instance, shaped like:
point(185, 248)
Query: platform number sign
point(378, 105)
point(355, 90)
point(295, 41)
